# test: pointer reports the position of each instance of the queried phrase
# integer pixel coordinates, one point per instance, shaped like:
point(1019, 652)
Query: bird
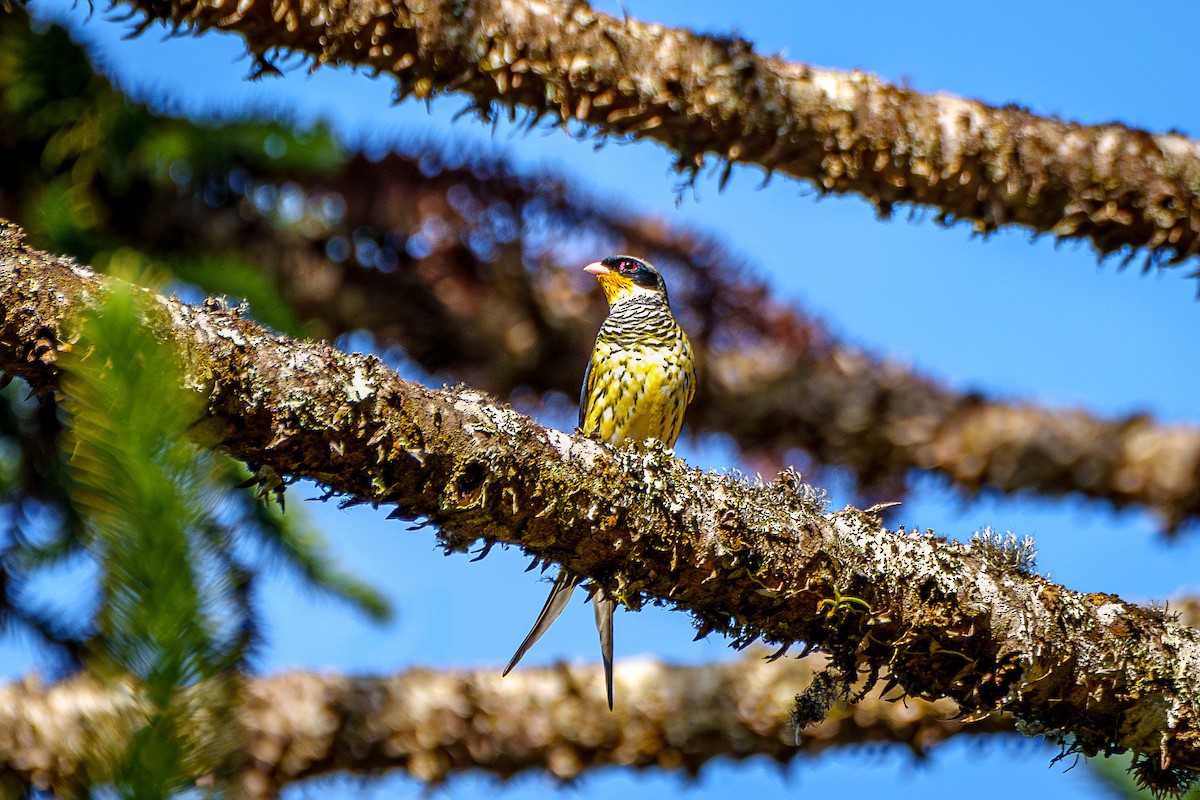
point(638, 383)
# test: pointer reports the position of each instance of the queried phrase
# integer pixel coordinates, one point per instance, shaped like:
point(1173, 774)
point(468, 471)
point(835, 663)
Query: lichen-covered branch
point(1110, 185)
point(965, 622)
point(774, 379)
point(472, 268)
point(436, 724)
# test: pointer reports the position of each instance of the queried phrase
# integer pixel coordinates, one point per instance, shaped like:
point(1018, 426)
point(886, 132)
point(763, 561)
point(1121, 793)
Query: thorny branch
point(942, 619)
point(774, 379)
point(301, 725)
point(472, 268)
point(1113, 186)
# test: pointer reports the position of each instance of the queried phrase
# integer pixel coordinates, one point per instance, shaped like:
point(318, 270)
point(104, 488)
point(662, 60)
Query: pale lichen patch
point(359, 388)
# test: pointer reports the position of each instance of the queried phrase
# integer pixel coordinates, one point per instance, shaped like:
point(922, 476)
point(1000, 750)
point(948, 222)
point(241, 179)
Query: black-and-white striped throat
point(642, 319)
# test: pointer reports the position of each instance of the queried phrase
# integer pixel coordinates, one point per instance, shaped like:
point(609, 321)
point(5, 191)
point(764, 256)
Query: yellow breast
point(637, 393)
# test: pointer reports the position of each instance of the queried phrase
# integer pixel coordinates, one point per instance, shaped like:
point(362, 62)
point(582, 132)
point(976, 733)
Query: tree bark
point(772, 378)
point(436, 724)
point(970, 622)
point(468, 266)
point(1110, 185)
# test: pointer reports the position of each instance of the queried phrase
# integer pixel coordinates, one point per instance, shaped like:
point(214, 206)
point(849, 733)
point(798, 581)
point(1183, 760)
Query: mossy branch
point(944, 619)
point(708, 96)
point(509, 317)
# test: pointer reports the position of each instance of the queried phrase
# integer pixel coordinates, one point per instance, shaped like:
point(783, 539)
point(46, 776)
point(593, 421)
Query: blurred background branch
point(434, 724)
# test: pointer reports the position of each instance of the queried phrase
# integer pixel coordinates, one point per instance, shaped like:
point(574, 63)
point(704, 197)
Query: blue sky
point(1010, 316)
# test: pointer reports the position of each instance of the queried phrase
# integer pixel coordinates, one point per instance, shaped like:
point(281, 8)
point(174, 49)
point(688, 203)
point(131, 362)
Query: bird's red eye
point(626, 266)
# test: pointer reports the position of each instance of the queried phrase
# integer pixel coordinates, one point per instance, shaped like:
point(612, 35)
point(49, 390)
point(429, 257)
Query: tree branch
point(774, 379)
point(1110, 185)
point(302, 725)
point(967, 622)
point(468, 266)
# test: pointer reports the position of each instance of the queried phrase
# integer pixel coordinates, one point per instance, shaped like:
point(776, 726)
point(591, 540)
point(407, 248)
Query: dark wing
point(585, 391)
point(693, 376)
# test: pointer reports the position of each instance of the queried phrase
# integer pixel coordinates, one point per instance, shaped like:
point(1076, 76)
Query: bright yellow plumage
point(639, 392)
point(642, 374)
point(640, 379)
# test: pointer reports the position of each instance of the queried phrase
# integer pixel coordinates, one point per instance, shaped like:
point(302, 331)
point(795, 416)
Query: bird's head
point(623, 277)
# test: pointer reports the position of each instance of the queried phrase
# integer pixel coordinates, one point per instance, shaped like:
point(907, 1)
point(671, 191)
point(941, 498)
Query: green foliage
point(288, 540)
point(83, 163)
point(169, 580)
point(41, 527)
point(172, 536)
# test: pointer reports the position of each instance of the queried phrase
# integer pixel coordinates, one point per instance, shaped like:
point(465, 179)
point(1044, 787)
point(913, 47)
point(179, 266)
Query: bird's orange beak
point(597, 269)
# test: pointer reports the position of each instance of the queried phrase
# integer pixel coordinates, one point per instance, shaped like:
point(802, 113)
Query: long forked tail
point(564, 585)
point(604, 606)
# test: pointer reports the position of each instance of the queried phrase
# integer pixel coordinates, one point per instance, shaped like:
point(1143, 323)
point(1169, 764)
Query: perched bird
point(639, 382)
